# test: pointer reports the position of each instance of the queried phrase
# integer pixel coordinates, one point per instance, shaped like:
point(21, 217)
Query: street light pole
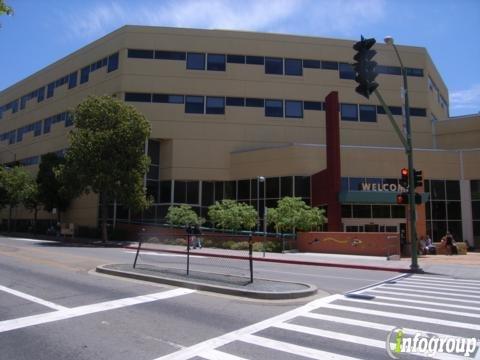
point(409, 151)
point(260, 179)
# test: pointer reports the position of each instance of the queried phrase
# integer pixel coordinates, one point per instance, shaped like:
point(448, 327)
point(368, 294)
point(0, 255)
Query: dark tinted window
point(255, 60)
point(414, 72)
point(171, 99)
point(254, 102)
point(437, 189)
point(362, 211)
point(72, 80)
point(112, 62)
point(418, 112)
point(140, 54)
point(368, 113)
point(165, 191)
point(273, 66)
point(235, 101)
point(50, 90)
point(84, 73)
point(138, 97)
point(349, 112)
point(180, 192)
point(302, 186)
point(41, 94)
point(286, 186)
point(293, 109)
point(389, 70)
point(243, 189)
point(216, 62)
point(274, 108)
point(196, 61)
point(192, 192)
point(215, 105)
point(311, 64)
point(346, 71)
point(312, 105)
point(236, 59)
point(169, 55)
point(381, 211)
point(194, 104)
point(293, 67)
point(207, 193)
point(452, 189)
point(395, 110)
point(330, 65)
point(230, 190)
point(272, 187)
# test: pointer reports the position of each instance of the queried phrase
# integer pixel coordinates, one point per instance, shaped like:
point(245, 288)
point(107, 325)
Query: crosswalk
point(356, 325)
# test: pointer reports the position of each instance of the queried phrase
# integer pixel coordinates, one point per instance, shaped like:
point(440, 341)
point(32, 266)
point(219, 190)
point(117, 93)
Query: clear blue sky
point(41, 32)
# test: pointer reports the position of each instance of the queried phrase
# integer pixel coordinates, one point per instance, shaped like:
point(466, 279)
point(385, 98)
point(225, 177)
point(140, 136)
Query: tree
point(183, 215)
point(52, 192)
point(5, 9)
point(15, 183)
point(31, 200)
point(292, 213)
point(107, 154)
point(231, 215)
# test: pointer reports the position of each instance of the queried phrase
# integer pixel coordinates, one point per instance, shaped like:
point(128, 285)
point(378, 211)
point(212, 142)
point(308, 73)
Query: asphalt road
point(53, 306)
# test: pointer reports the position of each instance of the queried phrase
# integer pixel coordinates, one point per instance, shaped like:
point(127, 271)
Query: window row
point(111, 62)
point(38, 128)
point(440, 99)
point(368, 113)
point(272, 65)
point(33, 160)
point(357, 211)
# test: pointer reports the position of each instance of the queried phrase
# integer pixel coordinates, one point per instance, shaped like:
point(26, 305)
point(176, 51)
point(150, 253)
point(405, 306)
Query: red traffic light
point(404, 177)
point(402, 199)
point(404, 172)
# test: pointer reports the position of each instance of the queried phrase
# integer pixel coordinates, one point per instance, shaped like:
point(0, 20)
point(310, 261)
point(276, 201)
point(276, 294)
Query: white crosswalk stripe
point(356, 326)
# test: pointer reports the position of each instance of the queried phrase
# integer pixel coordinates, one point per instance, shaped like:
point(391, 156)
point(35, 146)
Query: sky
point(41, 32)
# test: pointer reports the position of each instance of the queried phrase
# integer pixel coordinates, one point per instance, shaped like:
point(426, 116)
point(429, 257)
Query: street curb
point(264, 295)
point(293, 262)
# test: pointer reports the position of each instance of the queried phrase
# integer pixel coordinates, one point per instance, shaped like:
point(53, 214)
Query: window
point(84, 74)
point(293, 67)
point(72, 80)
point(170, 55)
point(346, 71)
point(140, 54)
point(192, 192)
point(311, 64)
point(254, 102)
point(272, 186)
point(329, 65)
point(215, 105)
point(243, 189)
point(286, 186)
point(418, 112)
point(293, 109)
point(112, 62)
point(312, 105)
point(216, 62)
point(255, 60)
point(368, 113)
point(41, 94)
point(207, 193)
point(349, 112)
point(389, 70)
point(138, 97)
point(395, 110)
point(274, 66)
point(236, 59)
point(196, 61)
point(170, 99)
point(165, 191)
point(381, 211)
point(274, 108)
point(302, 186)
point(414, 72)
point(235, 101)
point(362, 211)
point(50, 90)
point(180, 192)
point(194, 104)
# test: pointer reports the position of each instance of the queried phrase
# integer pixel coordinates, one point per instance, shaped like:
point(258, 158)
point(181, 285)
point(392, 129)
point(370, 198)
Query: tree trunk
point(104, 217)
point(35, 216)
point(9, 217)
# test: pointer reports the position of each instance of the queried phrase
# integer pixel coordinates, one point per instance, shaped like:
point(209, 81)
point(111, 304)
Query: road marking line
point(294, 349)
point(219, 355)
point(422, 282)
point(402, 292)
point(429, 291)
point(449, 305)
point(436, 287)
point(235, 335)
point(34, 299)
point(381, 344)
point(143, 252)
point(13, 324)
point(25, 239)
point(443, 279)
point(459, 313)
point(403, 316)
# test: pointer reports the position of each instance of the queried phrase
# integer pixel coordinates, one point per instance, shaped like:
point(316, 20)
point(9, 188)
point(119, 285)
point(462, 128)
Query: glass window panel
point(330, 65)
point(438, 210)
point(455, 228)
point(346, 211)
point(154, 151)
point(235, 101)
point(170, 55)
point(255, 60)
point(313, 105)
point(72, 80)
point(152, 172)
point(311, 64)
point(230, 190)
point(286, 186)
point(452, 189)
point(112, 62)
point(368, 113)
point(398, 212)
point(344, 184)
point(207, 193)
point(192, 192)
point(293, 67)
point(475, 189)
point(302, 186)
point(454, 210)
point(346, 71)
point(274, 108)
point(349, 112)
point(194, 104)
point(218, 190)
point(254, 102)
point(362, 211)
point(196, 61)
point(216, 62)
point(439, 228)
point(152, 190)
point(215, 105)
point(273, 187)
point(138, 97)
point(274, 66)
point(418, 112)
point(236, 59)
point(388, 70)
point(414, 72)
point(293, 109)
point(381, 211)
point(253, 188)
point(50, 90)
point(476, 210)
point(140, 54)
point(244, 189)
point(437, 189)
point(180, 192)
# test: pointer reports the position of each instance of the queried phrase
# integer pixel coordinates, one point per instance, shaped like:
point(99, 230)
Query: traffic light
point(364, 67)
point(418, 178)
point(402, 198)
point(404, 177)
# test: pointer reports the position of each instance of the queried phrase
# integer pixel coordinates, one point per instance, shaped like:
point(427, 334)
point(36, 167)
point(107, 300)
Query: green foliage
point(16, 184)
point(182, 215)
point(292, 213)
point(52, 192)
point(107, 154)
point(230, 215)
point(5, 9)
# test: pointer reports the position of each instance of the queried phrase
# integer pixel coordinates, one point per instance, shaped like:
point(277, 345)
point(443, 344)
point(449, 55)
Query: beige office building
point(226, 107)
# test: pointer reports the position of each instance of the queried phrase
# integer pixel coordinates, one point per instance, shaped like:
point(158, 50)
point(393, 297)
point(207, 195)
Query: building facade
point(226, 107)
